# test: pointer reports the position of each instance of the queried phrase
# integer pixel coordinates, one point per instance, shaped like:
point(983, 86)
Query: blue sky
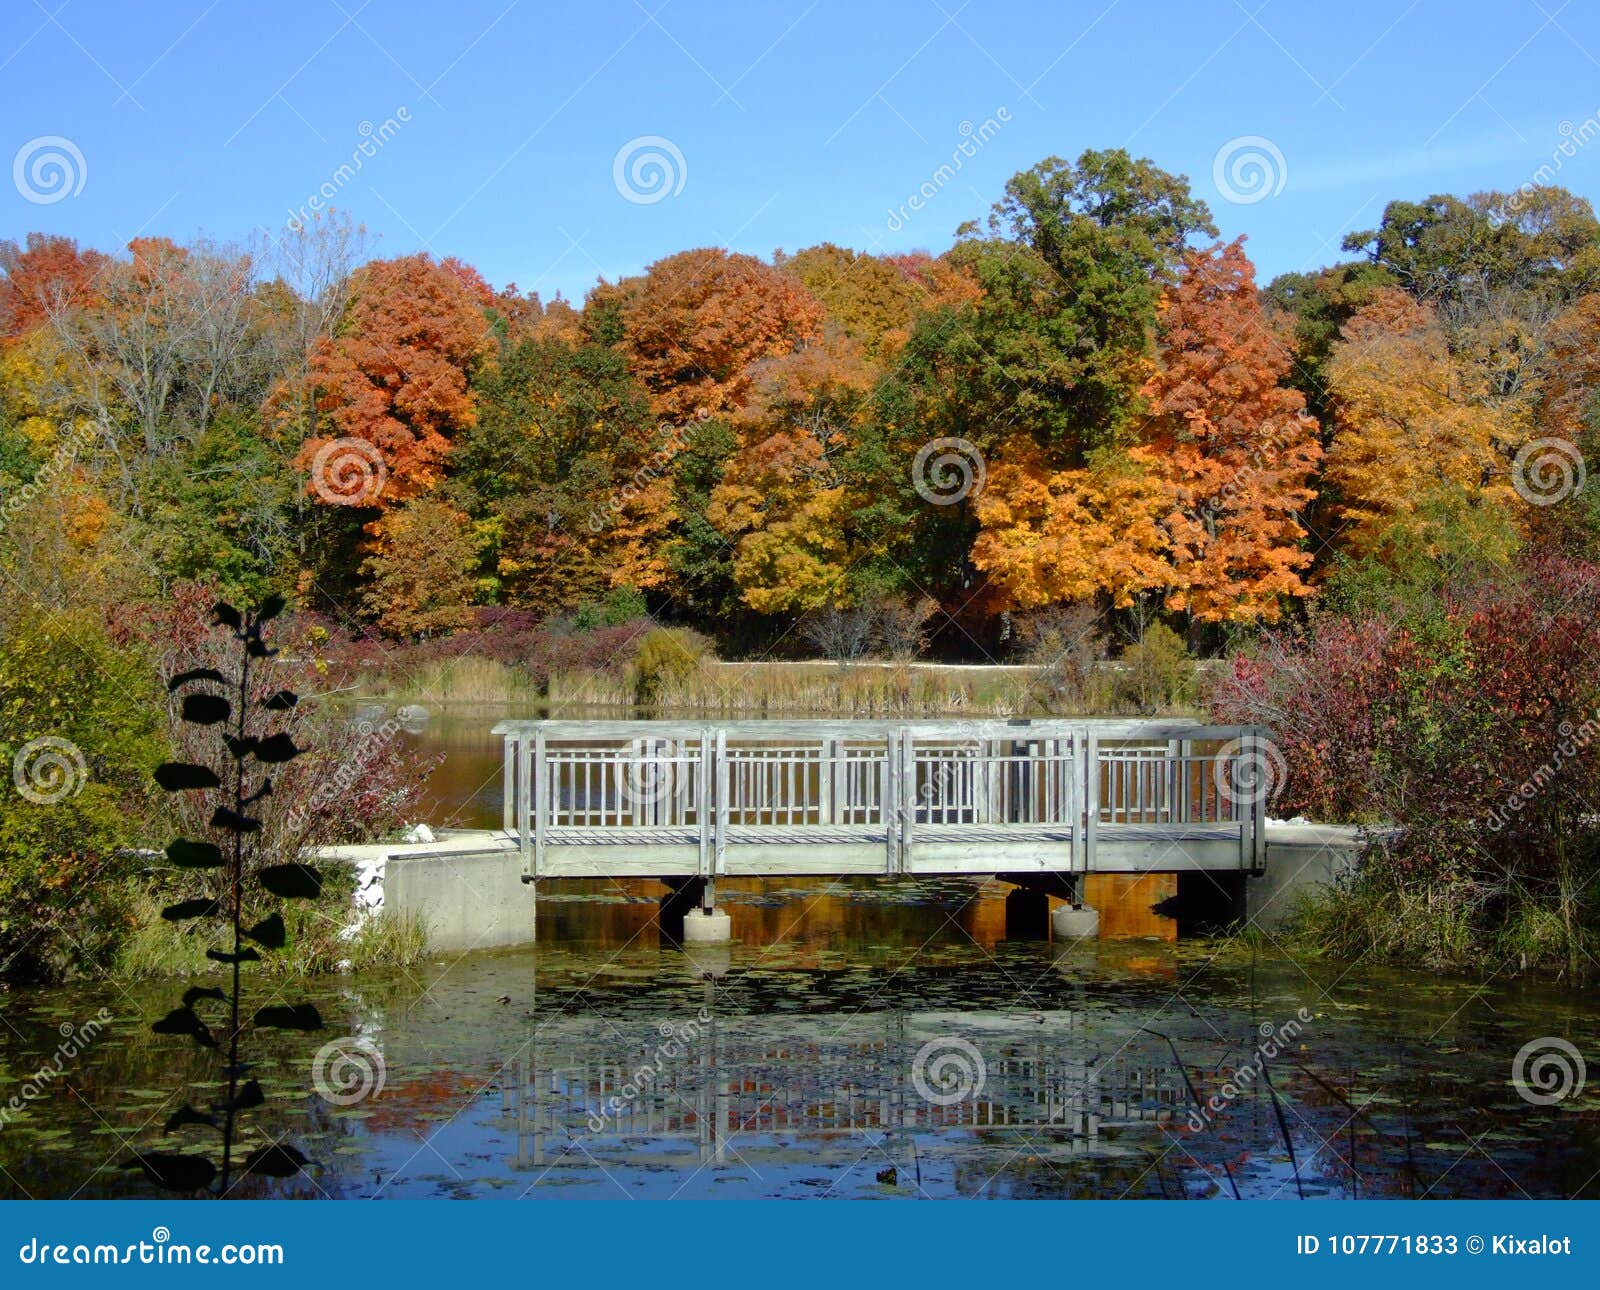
point(779, 125)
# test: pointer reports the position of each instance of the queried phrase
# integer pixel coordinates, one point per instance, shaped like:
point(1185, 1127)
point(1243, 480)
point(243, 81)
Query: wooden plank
point(1091, 798)
point(537, 779)
point(720, 856)
point(908, 795)
point(769, 731)
point(1075, 802)
point(508, 785)
point(1258, 814)
point(702, 801)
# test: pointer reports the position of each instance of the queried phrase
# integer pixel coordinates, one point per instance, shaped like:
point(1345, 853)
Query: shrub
point(621, 605)
point(1065, 644)
point(1470, 722)
point(65, 844)
point(357, 781)
point(1156, 673)
point(666, 657)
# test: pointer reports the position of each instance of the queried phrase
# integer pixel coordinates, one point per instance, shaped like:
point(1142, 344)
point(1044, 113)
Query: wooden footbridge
point(665, 799)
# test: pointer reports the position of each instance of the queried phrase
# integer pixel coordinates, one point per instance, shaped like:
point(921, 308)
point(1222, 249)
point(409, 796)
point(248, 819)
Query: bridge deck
point(645, 798)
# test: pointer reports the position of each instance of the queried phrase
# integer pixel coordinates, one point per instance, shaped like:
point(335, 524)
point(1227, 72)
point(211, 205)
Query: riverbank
point(817, 687)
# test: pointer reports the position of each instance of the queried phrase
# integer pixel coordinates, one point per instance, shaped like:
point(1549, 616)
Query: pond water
point(861, 1039)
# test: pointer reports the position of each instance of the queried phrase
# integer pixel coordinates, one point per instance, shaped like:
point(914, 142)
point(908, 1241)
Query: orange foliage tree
point(420, 569)
point(43, 277)
point(397, 374)
point(1570, 370)
point(692, 327)
point(1231, 445)
point(1202, 506)
point(782, 501)
point(1050, 535)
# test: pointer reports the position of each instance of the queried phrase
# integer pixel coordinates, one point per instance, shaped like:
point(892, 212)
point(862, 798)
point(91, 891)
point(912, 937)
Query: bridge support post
point(1075, 921)
point(707, 925)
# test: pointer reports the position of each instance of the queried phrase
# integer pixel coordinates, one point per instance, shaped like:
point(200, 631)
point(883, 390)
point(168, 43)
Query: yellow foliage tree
point(1414, 437)
point(1064, 535)
point(782, 500)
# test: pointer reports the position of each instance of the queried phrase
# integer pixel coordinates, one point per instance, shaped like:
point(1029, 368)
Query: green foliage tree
point(1545, 239)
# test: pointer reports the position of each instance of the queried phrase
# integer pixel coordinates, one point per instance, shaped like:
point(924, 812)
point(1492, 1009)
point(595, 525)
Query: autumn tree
point(1147, 215)
point(1201, 505)
point(1057, 343)
point(1570, 370)
point(1051, 536)
point(869, 298)
point(783, 499)
point(693, 326)
point(44, 277)
point(1231, 444)
point(167, 339)
point(1414, 442)
point(397, 373)
point(1565, 406)
point(1543, 238)
point(1311, 309)
point(420, 572)
point(570, 473)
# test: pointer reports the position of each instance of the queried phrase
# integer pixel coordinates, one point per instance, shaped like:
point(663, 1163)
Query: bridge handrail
point(679, 782)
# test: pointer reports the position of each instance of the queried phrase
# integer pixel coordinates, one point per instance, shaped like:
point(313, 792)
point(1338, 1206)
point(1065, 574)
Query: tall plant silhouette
point(239, 708)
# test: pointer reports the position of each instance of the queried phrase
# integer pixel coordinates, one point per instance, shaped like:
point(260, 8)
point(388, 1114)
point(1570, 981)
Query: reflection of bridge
point(713, 1084)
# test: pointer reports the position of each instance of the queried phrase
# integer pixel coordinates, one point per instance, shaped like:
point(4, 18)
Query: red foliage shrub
point(1470, 721)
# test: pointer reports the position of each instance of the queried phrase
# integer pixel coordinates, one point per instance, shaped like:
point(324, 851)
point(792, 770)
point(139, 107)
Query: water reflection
point(738, 1090)
point(881, 1043)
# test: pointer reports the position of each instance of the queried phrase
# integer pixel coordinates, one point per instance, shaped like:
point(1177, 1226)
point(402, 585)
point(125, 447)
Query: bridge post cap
point(1074, 923)
point(701, 927)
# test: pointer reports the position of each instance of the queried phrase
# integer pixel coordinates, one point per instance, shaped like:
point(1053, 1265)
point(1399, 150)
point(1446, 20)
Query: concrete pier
point(468, 889)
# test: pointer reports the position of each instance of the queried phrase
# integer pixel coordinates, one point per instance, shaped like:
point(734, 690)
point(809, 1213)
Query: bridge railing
point(895, 783)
